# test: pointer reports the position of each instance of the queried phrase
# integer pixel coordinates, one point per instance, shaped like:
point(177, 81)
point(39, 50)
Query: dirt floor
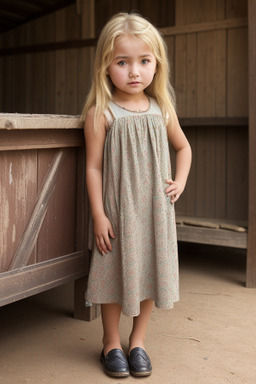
point(208, 338)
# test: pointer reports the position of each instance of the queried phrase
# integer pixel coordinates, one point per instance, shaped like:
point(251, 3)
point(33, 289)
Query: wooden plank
point(9, 84)
point(11, 121)
point(60, 80)
point(8, 74)
point(159, 13)
point(191, 75)
point(205, 172)
point(25, 121)
point(214, 121)
point(17, 182)
point(18, 140)
point(220, 10)
point(220, 59)
point(20, 68)
point(86, 55)
point(237, 174)
point(50, 62)
point(236, 8)
point(71, 58)
point(39, 63)
point(170, 43)
point(42, 48)
point(60, 218)
point(219, 237)
point(29, 88)
point(216, 221)
point(40, 277)
point(206, 74)
point(221, 173)
point(166, 13)
point(251, 252)
point(204, 26)
point(190, 12)
point(237, 70)
point(181, 74)
point(34, 224)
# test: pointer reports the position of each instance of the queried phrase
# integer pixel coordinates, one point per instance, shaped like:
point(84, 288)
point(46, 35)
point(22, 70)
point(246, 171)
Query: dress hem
point(131, 314)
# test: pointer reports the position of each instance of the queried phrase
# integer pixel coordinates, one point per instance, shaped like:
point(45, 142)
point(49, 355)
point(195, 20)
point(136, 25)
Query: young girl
point(129, 117)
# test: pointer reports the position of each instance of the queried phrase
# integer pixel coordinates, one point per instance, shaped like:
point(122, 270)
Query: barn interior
point(46, 56)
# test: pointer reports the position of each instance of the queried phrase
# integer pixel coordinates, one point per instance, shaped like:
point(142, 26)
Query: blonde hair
point(101, 90)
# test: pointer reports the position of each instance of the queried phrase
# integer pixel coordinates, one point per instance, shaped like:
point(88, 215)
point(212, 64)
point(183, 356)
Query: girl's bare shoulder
point(91, 120)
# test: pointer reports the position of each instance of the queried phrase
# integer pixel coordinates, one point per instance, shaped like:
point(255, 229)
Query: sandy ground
point(208, 338)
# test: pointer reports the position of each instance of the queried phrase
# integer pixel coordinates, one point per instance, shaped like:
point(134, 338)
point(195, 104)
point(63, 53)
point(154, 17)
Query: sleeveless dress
point(143, 263)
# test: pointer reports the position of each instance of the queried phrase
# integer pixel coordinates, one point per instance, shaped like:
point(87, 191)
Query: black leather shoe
point(139, 362)
point(115, 363)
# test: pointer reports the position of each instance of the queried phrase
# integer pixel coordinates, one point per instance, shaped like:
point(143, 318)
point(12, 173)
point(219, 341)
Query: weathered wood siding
point(42, 204)
point(208, 46)
point(211, 80)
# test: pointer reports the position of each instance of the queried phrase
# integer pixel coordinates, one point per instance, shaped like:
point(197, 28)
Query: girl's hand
point(174, 190)
point(102, 230)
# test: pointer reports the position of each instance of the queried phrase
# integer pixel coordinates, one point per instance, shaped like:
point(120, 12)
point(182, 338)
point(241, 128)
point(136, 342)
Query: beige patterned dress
point(144, 262)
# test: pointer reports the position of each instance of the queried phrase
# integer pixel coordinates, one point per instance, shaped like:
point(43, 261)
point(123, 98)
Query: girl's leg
point(110, 314)
point(140, 323)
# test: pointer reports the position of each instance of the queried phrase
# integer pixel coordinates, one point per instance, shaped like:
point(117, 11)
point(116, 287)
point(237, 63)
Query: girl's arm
point(94, 159)
point(183, 161)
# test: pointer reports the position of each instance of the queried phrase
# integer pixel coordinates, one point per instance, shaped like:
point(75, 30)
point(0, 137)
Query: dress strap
point(109, 117)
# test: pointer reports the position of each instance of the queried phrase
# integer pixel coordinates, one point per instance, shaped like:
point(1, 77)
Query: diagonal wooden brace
point(29, 237)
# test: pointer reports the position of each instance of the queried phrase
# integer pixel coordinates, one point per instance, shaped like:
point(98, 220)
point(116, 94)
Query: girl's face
point(133, 66)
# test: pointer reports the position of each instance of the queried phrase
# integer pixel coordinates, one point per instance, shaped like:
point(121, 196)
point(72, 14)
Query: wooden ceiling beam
point(17, 12)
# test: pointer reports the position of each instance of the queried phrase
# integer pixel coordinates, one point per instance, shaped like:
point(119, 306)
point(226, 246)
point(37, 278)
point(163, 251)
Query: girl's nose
point(133, 75)
point(134, 72)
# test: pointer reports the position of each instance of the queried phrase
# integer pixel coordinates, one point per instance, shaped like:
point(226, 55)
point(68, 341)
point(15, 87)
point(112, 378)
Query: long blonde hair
point(102, 89)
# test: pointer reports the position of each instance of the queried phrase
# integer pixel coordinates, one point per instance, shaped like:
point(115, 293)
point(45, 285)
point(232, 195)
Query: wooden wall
point(211, 80)
point(207, 42)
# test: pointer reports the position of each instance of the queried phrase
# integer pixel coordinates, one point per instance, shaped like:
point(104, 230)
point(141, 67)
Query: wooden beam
point(72, 44)
point(211, 236)
point(40, 139)
point(204, 27)
point(213, 121)
point(29, 237)
point(251, 252)
point(40, 277)
point(11, 121)
point(168, 31)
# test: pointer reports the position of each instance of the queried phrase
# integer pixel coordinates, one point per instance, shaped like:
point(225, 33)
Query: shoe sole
point(116, 374)
point(141, 374)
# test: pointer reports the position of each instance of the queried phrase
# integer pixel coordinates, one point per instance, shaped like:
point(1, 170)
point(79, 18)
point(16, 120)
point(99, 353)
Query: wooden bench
point(211, 231)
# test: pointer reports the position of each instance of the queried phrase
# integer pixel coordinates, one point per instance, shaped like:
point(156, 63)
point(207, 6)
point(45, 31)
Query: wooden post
point(251, 251)
point(87, 8)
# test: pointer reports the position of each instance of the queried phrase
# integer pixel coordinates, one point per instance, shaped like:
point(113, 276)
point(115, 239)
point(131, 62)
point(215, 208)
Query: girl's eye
point(144, 61)
point(121, 63)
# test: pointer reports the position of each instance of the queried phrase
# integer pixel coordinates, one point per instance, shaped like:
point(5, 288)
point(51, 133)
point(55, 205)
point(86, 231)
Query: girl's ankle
point(133, 343)
point(108, 346)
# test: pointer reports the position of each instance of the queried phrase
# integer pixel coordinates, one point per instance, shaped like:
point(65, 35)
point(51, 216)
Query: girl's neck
point(133, 103)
